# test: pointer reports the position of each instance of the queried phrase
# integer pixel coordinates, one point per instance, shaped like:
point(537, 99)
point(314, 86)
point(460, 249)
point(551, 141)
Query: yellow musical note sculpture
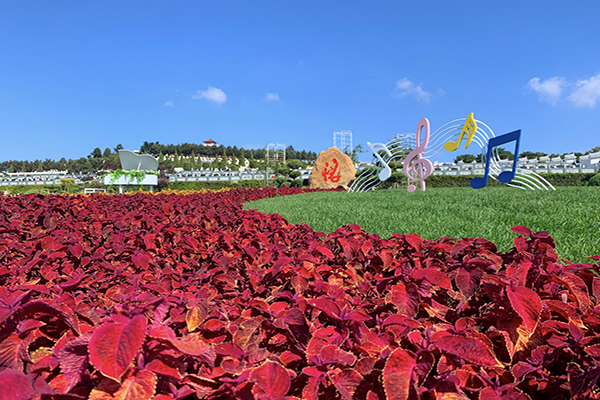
point(468, 129)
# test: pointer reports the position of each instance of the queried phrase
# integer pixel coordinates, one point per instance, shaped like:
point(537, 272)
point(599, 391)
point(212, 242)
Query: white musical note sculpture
point(394, 150)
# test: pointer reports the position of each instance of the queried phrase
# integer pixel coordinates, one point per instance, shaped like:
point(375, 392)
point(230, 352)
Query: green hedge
point(78, 188)
point(595, 180)
point(215, 185)
point(465, 180)
point(568, 179)
point(437, 181)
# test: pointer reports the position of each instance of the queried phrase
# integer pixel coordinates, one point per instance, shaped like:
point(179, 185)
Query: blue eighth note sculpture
point(504, 176)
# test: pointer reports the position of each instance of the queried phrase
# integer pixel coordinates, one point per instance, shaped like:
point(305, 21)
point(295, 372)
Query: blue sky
point(75, 75)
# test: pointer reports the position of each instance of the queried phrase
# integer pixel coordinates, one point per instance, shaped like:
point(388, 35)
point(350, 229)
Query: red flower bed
point(189, 296)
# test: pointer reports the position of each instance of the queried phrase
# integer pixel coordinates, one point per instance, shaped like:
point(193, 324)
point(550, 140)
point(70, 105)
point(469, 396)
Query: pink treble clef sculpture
point(421, 167)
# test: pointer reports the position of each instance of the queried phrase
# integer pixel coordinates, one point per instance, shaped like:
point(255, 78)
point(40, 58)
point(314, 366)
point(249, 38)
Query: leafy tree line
point(505, 154)
point(189, 149)
point(96, 161)
point(184, 155)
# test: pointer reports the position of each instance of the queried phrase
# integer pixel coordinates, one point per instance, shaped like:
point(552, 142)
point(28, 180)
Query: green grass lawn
point(570, 214)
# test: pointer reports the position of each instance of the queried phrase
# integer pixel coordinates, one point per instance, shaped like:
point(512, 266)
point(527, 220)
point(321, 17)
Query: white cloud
point(271, 97)
point(548, 90)
point(587, 92)
point(405, 87)
point(212, 94)
point(169, 104)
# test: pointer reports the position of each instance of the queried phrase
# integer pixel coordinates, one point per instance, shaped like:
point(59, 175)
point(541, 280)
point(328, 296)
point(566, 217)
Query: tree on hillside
point(96, 153)
point(466, 158)
point(358, 149)
point(62, 164)
point(294, 164)
point(593, 150)
point(531, 155)
point(242, 158)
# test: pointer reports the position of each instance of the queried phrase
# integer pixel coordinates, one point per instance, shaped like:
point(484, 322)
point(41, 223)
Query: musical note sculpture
point(421, 167)
point(469, 129)
point(448, 137)
point(504, 176)
point(386, 171)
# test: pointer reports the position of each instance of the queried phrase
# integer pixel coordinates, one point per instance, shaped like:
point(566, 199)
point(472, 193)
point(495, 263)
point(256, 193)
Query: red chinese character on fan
point(331, 172)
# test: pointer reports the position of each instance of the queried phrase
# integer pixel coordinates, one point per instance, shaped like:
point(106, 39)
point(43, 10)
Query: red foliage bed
point(189, 296)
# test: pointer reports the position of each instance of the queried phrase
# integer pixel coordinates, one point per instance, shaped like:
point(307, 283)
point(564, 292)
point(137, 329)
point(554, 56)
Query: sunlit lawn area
point(570, 214)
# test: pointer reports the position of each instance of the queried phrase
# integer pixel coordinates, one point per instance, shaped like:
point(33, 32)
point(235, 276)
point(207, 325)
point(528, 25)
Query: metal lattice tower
point(343, 141)
point(275, 153)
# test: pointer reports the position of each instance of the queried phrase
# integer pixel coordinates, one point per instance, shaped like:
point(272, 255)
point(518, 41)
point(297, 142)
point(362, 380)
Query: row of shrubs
point(212, 185)
point(434, 181)
point(555, 179)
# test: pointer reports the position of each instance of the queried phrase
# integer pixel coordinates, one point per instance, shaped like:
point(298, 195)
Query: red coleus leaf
point(287, 357)
point(114, 345)
point(521, 244)
point(469, 349)
point(246, 331)
point(321, 338)
point(325, 251)
point(489, 394)
point(468, 281)
point(35, 307)
point(194, 346)
point(195, 316)
point(415, 241)
point(399, 296)
point(578, 288)
point(15, 385)
point(397, 375)
point(73, 359)
point(271, 380)
point(141, 260)
point(521, 230)
point(137, 385)
point(149, 241)
point(332, 354)
point(13, 351)
point(48, 244)
point(76, 249)
point(434, 276)
point(527, 304)
point(357, 315)
point(327, 306)
point(346, 382)
point(165, 365)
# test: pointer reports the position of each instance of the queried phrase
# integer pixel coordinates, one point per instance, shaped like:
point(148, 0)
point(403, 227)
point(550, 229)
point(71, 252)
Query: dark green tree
point(593, 150)
point(358, 149)
point(96, 153)
point(531, 155)
point(466, 158)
